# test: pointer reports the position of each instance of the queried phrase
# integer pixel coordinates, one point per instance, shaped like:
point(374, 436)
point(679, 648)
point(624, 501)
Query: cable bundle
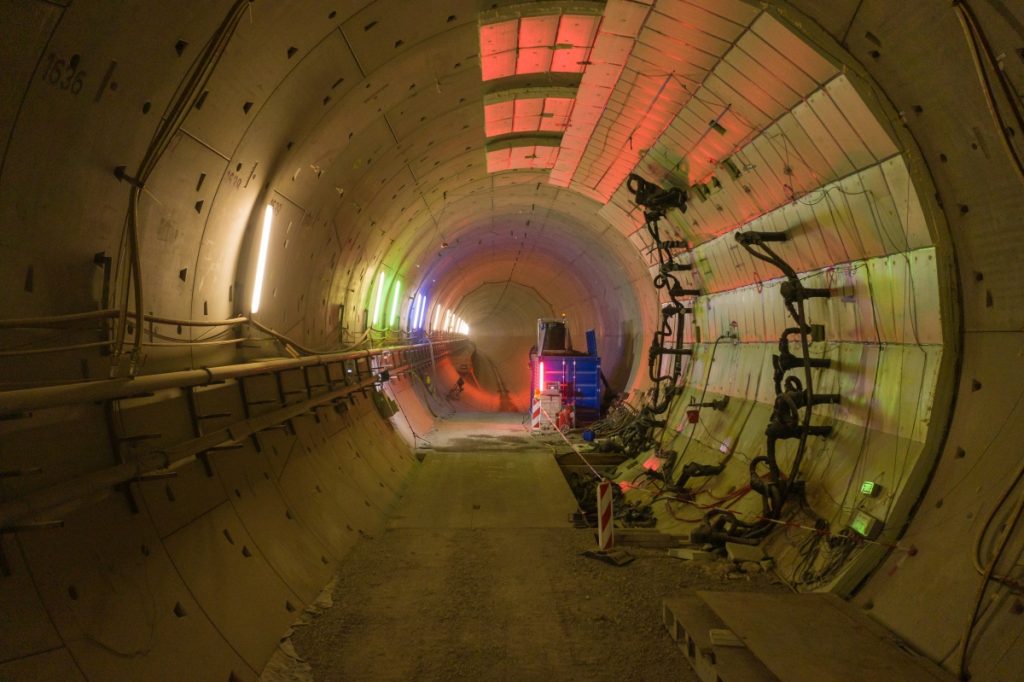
point(791, 415)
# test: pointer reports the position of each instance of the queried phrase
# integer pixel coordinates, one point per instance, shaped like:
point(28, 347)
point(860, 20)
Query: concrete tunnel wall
point(215, 563)
point(201, 582)
point(363, 127)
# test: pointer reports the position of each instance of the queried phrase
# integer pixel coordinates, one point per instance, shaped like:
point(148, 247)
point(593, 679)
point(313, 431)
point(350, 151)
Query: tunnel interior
point(251, 246)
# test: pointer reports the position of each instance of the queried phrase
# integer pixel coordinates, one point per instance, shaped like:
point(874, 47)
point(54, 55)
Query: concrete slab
point(690, 622)
point(480, 429)
point(512, 485)
point(817, 637)
point(511, 604)
point(33, 631)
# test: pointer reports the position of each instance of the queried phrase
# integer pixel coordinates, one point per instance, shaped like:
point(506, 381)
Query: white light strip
point(421, 311)
point(376, 305)
point(261, 261)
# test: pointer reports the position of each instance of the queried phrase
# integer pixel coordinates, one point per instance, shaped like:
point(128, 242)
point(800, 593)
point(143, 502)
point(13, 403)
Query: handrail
point(25, 399)
point(62, 321)
point(66, 496)
point(91, 315)
point(56, 320)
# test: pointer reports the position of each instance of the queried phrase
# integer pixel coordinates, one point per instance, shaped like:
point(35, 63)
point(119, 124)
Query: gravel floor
point(500, 604)
point(456, 589)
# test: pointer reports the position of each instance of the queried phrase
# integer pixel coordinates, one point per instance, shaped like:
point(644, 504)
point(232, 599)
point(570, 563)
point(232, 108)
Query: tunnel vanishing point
point(249, 244)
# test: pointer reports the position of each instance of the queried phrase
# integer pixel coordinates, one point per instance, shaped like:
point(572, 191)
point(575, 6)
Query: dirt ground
point(481, 577)
point(504, 604)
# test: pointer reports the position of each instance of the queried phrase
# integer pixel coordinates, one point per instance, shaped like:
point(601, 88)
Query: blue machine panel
point(579, 377)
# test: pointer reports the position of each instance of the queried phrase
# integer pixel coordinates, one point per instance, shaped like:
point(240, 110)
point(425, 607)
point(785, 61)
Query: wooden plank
point(817, 638)
point(643, 537)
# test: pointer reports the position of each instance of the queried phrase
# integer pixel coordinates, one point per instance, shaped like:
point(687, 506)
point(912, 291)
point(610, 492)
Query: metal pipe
point(63, 320)
point(56, 320)
point(100, 344)
point(36, 525)
point(25, 399)
point(55, 497)
point(179, 344)
point(71, 494)
point(53, 349)
point(234, 321)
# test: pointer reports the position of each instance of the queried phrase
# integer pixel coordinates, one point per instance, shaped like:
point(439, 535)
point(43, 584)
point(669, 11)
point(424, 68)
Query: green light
point(394, 303)
point(376, 305)
point(870, 488)
point(866, 525)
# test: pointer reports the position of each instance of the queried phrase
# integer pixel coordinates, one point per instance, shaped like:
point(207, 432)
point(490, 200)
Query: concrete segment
point(361, 123)
point(501, 592)
point(500, 488)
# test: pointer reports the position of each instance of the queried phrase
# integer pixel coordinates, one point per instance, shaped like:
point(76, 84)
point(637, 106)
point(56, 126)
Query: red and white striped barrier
point(605, 528)
point(537, 417)
point(540, 414)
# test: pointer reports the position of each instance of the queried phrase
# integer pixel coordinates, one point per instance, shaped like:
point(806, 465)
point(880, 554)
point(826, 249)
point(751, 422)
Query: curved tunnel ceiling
point(369, 129)
point(402, 170)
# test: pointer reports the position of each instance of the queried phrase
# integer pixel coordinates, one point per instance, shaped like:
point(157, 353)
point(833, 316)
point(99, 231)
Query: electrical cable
point(703, 394)
point(720, 524)
point(987, 576)
point(174, 116)
point(976, 554)
point(637, 434)
point(192, 344)
point(303, 349)
point(579, 454)
point(979, 46)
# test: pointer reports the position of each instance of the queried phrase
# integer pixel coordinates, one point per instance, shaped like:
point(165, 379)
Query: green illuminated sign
point(866, 525)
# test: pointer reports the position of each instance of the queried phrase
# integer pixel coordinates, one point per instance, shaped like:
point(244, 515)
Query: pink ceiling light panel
point(574, 42)
point(609, 56)
point(553, 43)
point(626, 103)
point(515, 158)
point(536, 44)
point(541, 44)
point(498, 43)
point(548, 114)
point(498, 118)
point(650, 105)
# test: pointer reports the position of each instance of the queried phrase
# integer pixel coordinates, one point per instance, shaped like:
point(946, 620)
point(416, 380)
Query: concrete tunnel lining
point(366, 130)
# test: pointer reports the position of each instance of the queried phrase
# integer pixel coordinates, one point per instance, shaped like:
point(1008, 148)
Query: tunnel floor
point(479, 575)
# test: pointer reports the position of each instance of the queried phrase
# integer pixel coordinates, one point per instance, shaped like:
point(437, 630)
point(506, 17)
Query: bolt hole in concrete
point(480, 575)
